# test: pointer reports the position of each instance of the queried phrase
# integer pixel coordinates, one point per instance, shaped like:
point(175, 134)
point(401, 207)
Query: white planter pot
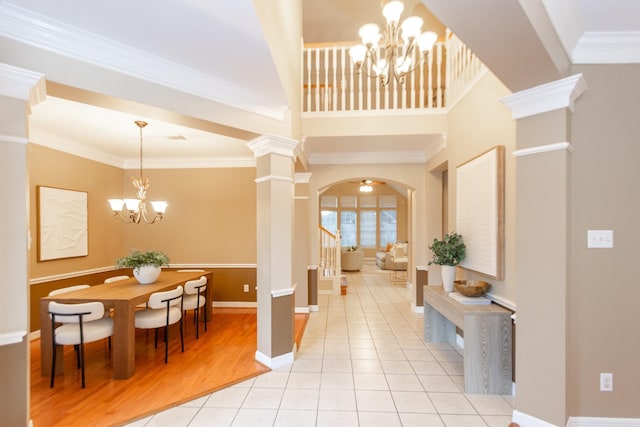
point(448, 276)
point(147, 274)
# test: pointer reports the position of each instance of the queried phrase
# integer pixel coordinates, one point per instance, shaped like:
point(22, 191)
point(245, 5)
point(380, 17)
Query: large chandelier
point(390, 55)
point(135, 210)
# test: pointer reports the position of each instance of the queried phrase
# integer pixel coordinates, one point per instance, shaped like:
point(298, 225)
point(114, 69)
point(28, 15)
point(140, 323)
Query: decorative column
point(543, 158)
point(301, 242)
point(19, 90)
point(275, 158)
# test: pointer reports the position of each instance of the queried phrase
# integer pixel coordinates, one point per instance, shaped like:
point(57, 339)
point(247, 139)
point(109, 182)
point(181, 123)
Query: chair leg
point(53, 364)
point(166, 343)
point(156, 342)
point(77, 348)
point(196, 316)
point(181, 336)
point(205, 317)
point(82, 363)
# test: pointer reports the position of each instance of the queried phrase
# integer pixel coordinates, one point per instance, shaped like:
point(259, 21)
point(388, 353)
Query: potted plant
point(146, 265)
point(448, 253)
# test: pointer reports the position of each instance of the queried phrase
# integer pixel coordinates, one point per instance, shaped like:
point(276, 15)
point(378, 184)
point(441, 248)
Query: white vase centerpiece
point(146, 266)
point(448, 253)
point(146, 274)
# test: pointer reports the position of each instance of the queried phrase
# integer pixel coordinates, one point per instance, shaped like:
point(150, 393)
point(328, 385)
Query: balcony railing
point(332, 84)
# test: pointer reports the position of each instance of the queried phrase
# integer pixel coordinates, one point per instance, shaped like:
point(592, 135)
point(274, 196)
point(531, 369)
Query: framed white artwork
point(480, 212)
point(62, 223)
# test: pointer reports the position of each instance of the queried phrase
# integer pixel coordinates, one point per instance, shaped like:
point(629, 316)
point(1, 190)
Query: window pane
point(388, 227)
point(329, 220)
point(348, 202)
point(368, 229)
point(368, 201)
point(329, 202)
point(388, 201)
point(348, 228)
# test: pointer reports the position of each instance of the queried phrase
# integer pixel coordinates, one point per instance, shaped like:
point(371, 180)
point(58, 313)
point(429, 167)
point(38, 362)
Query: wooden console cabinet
point(487, 339)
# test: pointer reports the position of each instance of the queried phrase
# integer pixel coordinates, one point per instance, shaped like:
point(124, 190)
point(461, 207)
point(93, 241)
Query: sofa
point(393, 257)
point(351, 260)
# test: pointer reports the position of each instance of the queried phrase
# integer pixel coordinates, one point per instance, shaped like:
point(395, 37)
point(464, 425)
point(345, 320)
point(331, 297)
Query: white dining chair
point(164, 309)
point(115, 279)
point(67, 289)
point(193, 300)
point(80, 324)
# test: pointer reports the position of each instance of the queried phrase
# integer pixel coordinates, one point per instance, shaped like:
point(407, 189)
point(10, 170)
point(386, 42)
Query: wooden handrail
point(324, 230)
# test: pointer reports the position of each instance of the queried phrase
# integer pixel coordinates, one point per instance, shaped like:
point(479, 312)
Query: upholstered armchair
point(351, 260)
point(395, 257)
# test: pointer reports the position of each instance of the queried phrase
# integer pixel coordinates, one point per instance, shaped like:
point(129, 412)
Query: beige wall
point(602, 311)
point(211, 218)
point(208, 220)
point(477, 123)
point(57, 169)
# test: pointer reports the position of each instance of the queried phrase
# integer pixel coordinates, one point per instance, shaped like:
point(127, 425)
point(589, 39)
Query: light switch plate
point(599, 238)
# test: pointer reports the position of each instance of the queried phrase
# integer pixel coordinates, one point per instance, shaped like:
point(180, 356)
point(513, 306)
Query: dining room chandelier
point(135, 210)
point(396, 52)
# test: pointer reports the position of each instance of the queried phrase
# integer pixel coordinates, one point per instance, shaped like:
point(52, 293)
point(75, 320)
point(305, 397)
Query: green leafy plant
point(138, 259)
point(451, 250)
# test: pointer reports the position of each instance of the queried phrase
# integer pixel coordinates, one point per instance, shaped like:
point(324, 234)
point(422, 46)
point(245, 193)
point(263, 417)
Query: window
point(388, 227)
point(366, 220)
point(368, 229)
point(348, 230)
point(329, 220)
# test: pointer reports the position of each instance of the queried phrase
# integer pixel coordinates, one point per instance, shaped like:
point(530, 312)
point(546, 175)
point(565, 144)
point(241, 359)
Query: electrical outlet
point(246, 287)
point(606, 381)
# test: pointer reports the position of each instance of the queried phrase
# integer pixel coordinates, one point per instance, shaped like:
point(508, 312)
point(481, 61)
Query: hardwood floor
point(223, 355)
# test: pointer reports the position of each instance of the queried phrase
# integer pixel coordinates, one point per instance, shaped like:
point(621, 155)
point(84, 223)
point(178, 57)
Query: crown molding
point(585, 47)
point(608, 48)
point(191, 162)
point(564, 17)
point(273, 144)
point(22, 84)
point(20, 24)
point(354, 158)
point(302, 177)
point(54, 142)
point(547, 97)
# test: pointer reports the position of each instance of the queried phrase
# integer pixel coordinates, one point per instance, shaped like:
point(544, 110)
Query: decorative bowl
point(471, 288)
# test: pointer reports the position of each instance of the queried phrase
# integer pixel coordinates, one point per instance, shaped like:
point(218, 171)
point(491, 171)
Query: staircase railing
point(329, 264)
point(332, 84)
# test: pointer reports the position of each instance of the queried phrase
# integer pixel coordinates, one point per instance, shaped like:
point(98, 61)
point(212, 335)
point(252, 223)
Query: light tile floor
point(362, 362)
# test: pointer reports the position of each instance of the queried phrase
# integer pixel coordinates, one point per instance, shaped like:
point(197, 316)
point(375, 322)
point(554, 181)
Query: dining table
point(123, 297)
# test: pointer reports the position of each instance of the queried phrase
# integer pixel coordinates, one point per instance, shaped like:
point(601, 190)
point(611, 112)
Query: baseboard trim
point(417, 309)
point(235, 304)
point(603, 422)
point(274, 362)
point(525, 420)
point(314, 308)
point(302, 310)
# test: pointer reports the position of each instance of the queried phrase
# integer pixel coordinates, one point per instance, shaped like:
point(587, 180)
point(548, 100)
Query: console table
point(487, 339)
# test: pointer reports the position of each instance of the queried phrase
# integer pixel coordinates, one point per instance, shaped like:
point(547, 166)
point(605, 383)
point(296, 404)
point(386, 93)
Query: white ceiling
point(202, 55)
